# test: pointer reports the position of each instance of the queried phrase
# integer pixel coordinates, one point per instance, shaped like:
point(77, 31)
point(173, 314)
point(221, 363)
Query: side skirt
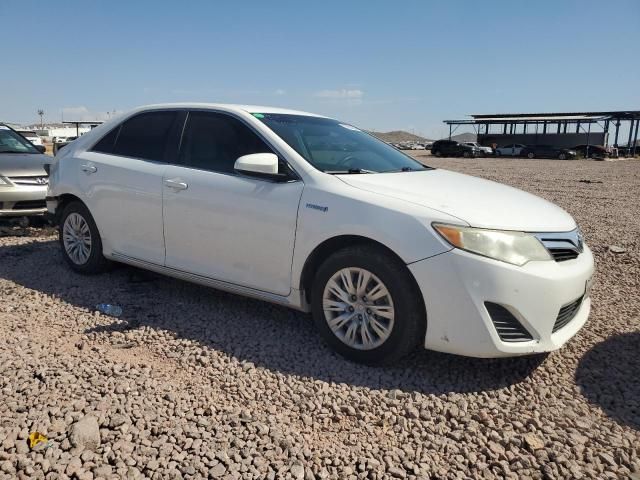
point(293, 300)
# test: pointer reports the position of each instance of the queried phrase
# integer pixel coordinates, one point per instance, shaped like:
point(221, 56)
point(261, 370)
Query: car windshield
point(334, 147)
point(11, 142)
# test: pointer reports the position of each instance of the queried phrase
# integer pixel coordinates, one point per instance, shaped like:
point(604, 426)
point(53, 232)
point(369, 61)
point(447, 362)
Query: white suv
point(315, 214)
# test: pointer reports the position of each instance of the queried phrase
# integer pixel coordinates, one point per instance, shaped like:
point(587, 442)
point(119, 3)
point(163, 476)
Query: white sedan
point(315, 214)
point(482, 148)
point(511, 150)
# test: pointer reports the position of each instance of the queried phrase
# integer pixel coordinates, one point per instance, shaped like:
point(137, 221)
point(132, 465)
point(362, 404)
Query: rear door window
point(108, 142)
point(145, 135)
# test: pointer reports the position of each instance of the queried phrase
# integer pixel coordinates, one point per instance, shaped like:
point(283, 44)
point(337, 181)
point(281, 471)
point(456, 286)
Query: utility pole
point(41, 113)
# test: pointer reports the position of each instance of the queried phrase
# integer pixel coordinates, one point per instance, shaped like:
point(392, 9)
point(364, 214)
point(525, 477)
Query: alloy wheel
point(358, 308)
point(76, 237)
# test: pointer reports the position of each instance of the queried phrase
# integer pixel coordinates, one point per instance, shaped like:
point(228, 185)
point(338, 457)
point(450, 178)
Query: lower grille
point(30, 205)
point(562, 254)
point(508, 327)
point(566, 314)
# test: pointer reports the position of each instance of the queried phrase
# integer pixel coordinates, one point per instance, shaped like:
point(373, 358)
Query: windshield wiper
point(408, 169)
point(350, 171)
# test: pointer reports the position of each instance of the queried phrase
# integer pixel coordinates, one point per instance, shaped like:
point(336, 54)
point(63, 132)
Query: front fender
point(401, 227)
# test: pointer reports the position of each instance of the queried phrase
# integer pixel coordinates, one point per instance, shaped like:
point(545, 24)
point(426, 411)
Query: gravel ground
point(194, 383)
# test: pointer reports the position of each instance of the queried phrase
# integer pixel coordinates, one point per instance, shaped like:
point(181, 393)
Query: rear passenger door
point(122, 179)
point(223, 225)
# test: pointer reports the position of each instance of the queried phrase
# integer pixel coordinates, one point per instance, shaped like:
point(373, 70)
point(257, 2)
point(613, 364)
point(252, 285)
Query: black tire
point(562, 156)
point(497, 153)
point(466, 155)
point(437, 153)
point(531, 155)
point(96, 262)
point(409, 327)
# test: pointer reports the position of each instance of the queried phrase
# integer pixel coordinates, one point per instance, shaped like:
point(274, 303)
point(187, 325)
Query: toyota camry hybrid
point(315, 214)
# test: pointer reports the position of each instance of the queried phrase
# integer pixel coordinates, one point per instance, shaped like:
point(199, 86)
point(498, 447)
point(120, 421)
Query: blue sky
point(380, 65)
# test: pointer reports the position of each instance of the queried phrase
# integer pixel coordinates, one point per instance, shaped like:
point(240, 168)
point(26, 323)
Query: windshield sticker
point(258, 115)
point(349, 127)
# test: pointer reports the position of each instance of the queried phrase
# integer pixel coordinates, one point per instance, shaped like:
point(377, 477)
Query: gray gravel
point(194, 383)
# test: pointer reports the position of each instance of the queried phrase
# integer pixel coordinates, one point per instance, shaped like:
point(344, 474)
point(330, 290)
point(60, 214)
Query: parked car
point(483, 150)
point(367, 239)
point(512, 150)
point(591, 151)
point(23, 178)
point(58, 145)
point(547, 151)
point(451, 148)
point(417, 146)
point(30, 135)
point(59, 139)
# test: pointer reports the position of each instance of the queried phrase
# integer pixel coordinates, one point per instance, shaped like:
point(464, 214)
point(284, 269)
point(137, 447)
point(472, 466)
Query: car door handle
point(175, 184)
point(89, 169)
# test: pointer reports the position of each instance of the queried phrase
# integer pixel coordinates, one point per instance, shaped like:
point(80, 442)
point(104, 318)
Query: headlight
point(517, 248)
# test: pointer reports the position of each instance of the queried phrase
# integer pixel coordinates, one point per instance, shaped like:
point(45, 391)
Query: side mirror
point(41, 148)
point(261, 165)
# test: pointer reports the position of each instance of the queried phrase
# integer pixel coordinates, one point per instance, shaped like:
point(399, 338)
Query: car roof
point(229, 107)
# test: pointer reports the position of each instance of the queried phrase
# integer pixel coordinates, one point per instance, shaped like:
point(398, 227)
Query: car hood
point(23, 164)
point(480, 203)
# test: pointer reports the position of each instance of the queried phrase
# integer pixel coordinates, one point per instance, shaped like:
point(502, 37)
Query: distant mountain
point(399, 136)
point(464, 137)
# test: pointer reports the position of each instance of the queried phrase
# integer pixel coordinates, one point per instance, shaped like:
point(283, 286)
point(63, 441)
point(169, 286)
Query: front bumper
point(456, 284)
point(22, 200)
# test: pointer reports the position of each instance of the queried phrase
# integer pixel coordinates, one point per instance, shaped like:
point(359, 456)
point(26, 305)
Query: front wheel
point(562, 156)
point(466, 155)
point(366, 305)
point(437, 153)
point(530, 155)
point(80, 240)
point(497, 153)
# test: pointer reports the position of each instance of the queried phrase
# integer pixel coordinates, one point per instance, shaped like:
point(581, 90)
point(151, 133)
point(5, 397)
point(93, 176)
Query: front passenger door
point(223, 225)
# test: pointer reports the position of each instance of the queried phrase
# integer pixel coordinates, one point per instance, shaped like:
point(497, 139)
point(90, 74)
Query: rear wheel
point(437, 153)
point(531, 155)
point(366, 305)
point(80, 240)
point(466, 154)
